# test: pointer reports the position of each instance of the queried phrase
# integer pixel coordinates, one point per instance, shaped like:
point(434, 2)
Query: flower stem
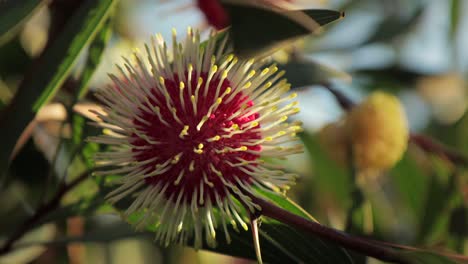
point(357, 244)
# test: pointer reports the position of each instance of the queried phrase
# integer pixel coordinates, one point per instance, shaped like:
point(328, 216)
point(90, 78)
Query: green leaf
point(287, 204)
point(94, 56)
point(255, 30)
point(13, 14)
point(281, 244)
point(329, 178)
point(39, 86)
point(63, 54)
point(422, 257)
point(412, 185)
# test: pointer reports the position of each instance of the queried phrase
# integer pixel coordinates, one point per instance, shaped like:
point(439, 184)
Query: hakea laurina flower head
point(188, 128)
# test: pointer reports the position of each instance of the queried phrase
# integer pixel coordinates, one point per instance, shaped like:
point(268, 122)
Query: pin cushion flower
point(189, 129)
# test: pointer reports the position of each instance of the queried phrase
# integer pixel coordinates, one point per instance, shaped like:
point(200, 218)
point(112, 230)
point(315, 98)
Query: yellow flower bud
point(379, 132)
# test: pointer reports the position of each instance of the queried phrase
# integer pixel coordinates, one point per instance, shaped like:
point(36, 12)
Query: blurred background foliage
point(414, 49)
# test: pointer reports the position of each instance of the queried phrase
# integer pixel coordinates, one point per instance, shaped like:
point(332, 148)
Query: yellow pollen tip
point(174, 31)
point(235, 126)
point(268, 138)
point(225, 74)
point(293, 95)
point(184, 132)
point(200, 80)
point(265, 71)
point(192, 97)
point(228, 90)
point(283, 118)
point(230, 57)
point(251, 74)
point(219, 100)
point(190, 67)
point(214, 68)
point(254, 124)
point(161, 80)
point(243, 148)
point(213, 59)
point(215, 138)
point(200, 146)
point(181, 85)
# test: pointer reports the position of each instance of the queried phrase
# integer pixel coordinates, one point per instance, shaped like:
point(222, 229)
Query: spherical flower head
point(377, 131)
point(188, 128)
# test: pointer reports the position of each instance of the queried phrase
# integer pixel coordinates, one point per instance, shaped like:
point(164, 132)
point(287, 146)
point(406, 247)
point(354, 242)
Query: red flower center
point(191, 157)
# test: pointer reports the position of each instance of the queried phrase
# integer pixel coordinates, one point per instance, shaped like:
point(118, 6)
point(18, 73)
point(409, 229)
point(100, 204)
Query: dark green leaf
point(281, 244)
point(13, 14)
point(303, 73)
point(94, 57)
point(286, 203)
point(330, 178)
point(411, 184)
point(256, 29)
point(43, 82)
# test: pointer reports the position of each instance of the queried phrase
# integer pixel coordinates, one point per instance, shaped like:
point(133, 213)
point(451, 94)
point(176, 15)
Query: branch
point(354, 243)
point(42, 211)
point(430, 145)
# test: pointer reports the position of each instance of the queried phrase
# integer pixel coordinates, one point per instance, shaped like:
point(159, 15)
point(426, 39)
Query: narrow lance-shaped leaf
point(46, 77)
point(94, 57)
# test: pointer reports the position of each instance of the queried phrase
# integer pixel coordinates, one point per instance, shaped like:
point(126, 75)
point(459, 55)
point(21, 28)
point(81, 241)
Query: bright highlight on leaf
point(187, 127)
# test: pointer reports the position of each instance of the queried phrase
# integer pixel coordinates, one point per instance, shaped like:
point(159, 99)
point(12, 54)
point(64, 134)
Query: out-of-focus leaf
point(41, 84)
point(411, 185)
point(422, 257)
point(94, 56)
point(455, 14)
point(13, 59)
point(27, 255)
point(441, 191)
point(13, 14)
point(328, 176)
point(303, 73)
point(255, 30)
